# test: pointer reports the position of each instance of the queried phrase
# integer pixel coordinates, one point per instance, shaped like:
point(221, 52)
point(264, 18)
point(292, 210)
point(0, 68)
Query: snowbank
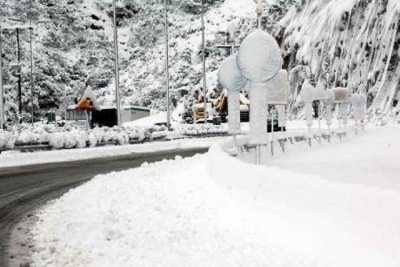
point(214, 210)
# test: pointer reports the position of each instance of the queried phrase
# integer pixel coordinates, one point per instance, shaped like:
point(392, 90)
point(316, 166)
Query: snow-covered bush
point(92, 139)
point(7, 139)
point(68, 139)
point(201, 129)
point(81, 138)
point(98, 135)
point(72, 136)
point(28, 137)
point(135, 133)
point(57, 140)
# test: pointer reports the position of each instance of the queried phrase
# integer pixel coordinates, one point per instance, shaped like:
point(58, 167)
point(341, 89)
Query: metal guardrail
point(295, 138)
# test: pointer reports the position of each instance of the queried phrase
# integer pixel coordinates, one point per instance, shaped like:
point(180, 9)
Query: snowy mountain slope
point(347, 43)
point(73, 48)
point(351, 43)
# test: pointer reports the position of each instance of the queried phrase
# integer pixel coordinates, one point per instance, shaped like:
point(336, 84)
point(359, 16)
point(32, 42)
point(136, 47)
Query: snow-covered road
point(214, 210)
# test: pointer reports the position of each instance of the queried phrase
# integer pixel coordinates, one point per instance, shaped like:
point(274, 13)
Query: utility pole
point(19, 76)
point(65, 102)
point(166, 26)
point(117, 96)
point(2, 117)
point(2, 108)
point(203, 38)
point(259, 11)
point(31, 60)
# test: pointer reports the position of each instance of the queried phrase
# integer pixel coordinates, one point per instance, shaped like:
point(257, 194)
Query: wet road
point(22, 189)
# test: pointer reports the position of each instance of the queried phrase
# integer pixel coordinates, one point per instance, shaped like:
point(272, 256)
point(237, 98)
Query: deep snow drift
point(213, 210)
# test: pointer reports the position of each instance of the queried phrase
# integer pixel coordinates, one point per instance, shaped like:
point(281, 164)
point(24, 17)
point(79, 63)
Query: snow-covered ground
point(371, 160)
point(336, 205)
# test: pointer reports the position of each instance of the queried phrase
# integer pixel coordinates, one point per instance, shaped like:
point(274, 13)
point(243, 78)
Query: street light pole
point(2, 120)
point(19, 75)
point(117, 96)
point(259, 13)
point(167, 62)
point(31, 59)
point(203, 38)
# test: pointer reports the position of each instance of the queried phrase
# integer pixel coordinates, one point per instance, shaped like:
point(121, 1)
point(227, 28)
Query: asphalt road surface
point(23, 189)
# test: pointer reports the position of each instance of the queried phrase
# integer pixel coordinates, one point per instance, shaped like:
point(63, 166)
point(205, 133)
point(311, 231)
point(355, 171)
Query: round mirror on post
point(259, 60)
point(230, 77)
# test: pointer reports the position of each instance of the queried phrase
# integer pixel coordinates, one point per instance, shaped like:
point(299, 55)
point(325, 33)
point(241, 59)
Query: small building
point(88, 109)
point(107, 116)
point(132, 113)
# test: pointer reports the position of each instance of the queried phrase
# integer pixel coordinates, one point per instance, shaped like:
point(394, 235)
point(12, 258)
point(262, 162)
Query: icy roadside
point(213, 210)
point(12, 159)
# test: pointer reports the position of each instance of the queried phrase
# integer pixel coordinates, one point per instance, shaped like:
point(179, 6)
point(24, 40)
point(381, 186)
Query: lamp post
point(117, 95)
point(203, 39)
point(259, 11)
point(167, 62)
point(20, 26)
point(17, 28)
point(31, 58)
point(19, 75)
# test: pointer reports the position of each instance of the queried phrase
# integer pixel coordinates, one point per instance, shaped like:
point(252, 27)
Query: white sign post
point(329, 104)
point(307, 96)
point(278, 97)
point(342, 99)
point(359, 109)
